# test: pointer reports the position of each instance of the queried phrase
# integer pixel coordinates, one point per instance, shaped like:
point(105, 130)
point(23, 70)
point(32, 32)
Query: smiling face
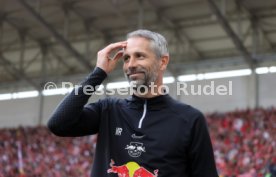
point(141, 65)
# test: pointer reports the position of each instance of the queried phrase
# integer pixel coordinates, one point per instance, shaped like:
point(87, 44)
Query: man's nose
point(132, 63)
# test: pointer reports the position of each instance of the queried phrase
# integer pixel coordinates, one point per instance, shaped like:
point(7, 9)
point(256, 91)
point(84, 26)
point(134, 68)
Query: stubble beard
point(150, 77)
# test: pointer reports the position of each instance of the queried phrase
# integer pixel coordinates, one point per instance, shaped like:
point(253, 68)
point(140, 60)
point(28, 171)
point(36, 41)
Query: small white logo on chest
point(118, 131)
point(135, 149)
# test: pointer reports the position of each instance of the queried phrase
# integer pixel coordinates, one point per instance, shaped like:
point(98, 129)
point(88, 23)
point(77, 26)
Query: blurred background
point(47, 43)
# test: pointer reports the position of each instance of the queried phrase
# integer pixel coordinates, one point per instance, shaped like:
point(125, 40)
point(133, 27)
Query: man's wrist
point(100, 71)
point(96, 77)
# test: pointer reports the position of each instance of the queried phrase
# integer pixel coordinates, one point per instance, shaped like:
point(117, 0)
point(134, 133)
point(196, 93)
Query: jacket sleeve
point(201, 156)
point(71, 117)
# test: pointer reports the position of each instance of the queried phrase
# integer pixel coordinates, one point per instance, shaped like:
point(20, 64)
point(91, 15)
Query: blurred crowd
point(42, 154)
point(244, 144)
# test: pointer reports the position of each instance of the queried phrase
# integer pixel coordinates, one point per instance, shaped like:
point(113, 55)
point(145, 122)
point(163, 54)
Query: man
point(149, 134)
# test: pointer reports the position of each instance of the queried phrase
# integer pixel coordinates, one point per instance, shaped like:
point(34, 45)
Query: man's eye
point(140, 56)
point(126, 58)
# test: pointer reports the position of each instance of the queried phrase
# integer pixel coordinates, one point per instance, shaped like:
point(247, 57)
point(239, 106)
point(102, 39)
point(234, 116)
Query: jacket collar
point(154, 103)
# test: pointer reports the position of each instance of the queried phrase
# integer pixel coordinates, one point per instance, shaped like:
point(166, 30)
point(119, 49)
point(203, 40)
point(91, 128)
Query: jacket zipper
point(144, 115)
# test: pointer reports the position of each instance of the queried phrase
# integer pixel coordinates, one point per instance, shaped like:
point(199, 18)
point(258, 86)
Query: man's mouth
point(134, 74)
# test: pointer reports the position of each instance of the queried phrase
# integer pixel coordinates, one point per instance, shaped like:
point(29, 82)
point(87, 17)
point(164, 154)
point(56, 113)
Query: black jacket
point(148, 137)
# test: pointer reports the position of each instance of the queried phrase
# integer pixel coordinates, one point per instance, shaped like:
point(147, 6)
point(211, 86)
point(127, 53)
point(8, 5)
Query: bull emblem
point(135, 149)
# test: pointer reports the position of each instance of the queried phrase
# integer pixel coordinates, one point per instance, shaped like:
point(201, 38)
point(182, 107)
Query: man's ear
point(164, 62)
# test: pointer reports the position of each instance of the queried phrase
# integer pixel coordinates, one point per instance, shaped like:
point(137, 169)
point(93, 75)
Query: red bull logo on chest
point(131, 169)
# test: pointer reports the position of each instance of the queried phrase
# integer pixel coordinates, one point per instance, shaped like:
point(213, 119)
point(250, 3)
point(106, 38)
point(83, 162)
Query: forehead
point(138, 44)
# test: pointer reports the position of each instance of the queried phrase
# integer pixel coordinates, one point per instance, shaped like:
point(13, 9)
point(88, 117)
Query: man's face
point(141, 67)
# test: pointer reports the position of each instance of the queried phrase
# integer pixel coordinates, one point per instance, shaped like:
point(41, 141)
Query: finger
point(116, 58)
point(118, 55)
point(115, 46)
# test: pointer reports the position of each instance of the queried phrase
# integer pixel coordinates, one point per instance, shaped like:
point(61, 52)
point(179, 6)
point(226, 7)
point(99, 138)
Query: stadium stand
point(244, 144)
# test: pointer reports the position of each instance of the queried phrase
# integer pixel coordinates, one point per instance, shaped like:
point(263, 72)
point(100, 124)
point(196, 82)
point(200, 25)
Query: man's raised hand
point(104, 61)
